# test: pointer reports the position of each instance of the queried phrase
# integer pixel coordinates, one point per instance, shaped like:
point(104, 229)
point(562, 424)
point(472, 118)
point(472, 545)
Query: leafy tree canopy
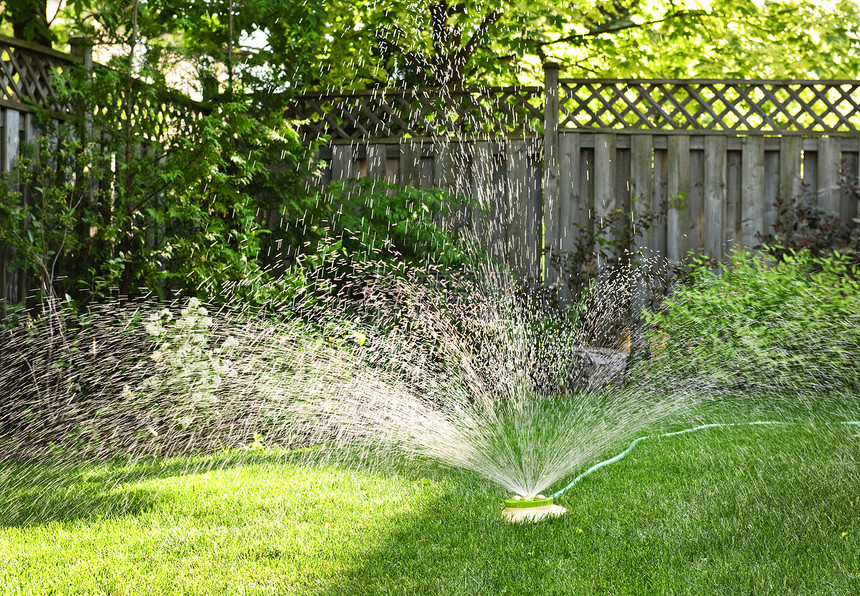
point(280, 45)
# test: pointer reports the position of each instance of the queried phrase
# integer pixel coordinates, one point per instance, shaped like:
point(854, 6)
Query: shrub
point(760, 324)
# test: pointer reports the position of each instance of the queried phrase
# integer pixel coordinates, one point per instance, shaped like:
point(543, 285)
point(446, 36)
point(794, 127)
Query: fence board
point(641, 184)
point(697, 200)
point(733, 199)
point(828, 164)
point(572, 212)
point(715, 196)
point(771, 190)
point(658, 234)
point(752, 202)
point(789, 168)
point(849, 206)
point(678, 181)
point(410, 163)
point(376, 155)
point(342, 163)
point(604, 185)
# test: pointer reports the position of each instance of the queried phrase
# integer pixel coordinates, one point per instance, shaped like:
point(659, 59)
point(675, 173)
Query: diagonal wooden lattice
point(27, 75)
point(420, 113)
point(718, 105)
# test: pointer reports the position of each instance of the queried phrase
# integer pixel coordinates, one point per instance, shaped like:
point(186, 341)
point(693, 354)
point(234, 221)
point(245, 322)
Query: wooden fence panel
point(678, 190)
point(753, 194)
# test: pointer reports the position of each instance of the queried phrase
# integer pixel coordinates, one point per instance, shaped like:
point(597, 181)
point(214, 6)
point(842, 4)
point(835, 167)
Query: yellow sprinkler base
point(530, 508)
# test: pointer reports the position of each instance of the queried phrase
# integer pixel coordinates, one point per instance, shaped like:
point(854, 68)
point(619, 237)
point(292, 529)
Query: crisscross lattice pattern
point(420, 113)
point(26, 76)
point(719, 105)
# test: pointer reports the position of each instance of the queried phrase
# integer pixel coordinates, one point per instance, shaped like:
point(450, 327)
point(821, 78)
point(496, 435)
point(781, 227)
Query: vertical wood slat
point(571, 213)
point(604, 188)
point(789, 168)
point(828, 165)
point(849, 205)
point(376, 155)
point(515, 157)
point(641, 186)
point(771, 190)
point(752, 183)
point(678, 217)
point(696, 235)
point(715, 195)
point(488, 218)
point(410, 163)
point(734, 192)
point(10, 151)
point(551, 164)
point(533, 250)
point(342, 163)
point(658, 234)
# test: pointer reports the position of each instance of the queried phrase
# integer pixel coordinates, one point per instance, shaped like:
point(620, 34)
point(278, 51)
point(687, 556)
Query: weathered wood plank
point(487, 217)
point(771, 190)
point(696, 235)
point(678, 217)
point(733, 200)
point(533, 233)
point(562, 234)
point(604, 191)
point(752, 181)
point(516, 156)
point(641, 187)
point(848, 207)
point(789, 168)
point(809, 175)
point(343, 163)
point(410, 163)
point(715, 196)
point(829, 164)
point(658, 234)
point(376, 153)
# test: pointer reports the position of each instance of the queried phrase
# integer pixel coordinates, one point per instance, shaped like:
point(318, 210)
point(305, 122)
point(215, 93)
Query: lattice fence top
point(420, 113)
point(27, 72)
point(717, 105)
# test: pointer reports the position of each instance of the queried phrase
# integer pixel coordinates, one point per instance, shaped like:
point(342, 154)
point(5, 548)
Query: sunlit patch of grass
point(744, 509)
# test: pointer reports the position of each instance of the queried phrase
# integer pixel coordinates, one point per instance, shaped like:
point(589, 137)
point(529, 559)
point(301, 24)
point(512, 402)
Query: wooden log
point(715, 196)
point(678, 217)
point(752, 182)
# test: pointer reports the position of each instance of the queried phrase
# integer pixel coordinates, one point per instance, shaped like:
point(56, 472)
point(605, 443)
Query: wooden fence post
point(550, 171)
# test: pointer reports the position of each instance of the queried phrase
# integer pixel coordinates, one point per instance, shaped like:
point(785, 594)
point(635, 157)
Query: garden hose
point(621, 455)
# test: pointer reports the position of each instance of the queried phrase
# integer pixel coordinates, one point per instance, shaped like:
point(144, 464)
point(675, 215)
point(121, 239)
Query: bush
point(761, 324)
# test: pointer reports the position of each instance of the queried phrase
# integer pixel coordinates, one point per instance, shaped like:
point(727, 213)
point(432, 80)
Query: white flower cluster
point(189, 368)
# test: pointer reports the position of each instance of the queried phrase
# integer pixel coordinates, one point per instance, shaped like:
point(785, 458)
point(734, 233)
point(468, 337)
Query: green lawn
point(741, 510)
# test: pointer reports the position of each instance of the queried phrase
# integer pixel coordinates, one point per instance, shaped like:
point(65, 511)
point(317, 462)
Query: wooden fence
point(127, 123)
point(543, 166)
point(721, 152)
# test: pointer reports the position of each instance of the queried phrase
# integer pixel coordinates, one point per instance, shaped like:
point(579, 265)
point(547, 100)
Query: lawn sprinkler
point(530, 508)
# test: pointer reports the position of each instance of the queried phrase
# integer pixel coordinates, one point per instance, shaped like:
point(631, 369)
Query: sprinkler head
point(530, 508)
